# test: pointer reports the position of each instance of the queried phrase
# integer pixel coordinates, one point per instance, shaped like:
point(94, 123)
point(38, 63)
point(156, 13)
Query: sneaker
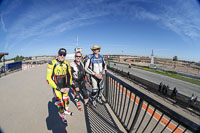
point(76, 100)
point(78, 104)
point(67, 112)
point(94, 103)
point(63, 117)
point(99, 100)
point(64, 121)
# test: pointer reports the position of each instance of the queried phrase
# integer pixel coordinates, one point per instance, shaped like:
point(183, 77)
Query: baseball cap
point(62, 51)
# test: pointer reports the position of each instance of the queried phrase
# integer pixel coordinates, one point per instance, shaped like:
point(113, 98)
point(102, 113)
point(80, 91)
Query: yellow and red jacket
point(59, 74)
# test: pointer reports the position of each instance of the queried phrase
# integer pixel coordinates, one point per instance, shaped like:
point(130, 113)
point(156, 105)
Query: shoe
point(63, 117)
point(94, 103)
point(76, 100)
point(67, 112)
point(78, 104)
point(64, 121)
point(99, 100)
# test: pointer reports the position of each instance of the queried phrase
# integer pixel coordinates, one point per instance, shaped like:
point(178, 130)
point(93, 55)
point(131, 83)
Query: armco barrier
point(127, 103)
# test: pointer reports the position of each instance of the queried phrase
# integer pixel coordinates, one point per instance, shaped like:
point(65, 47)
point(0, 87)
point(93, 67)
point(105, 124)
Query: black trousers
point(82, 88)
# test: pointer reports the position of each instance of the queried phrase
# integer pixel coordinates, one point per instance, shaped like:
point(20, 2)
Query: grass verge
point(172, 74)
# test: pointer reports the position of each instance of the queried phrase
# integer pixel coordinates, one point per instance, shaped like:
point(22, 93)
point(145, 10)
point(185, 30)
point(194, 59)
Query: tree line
point(21, 58)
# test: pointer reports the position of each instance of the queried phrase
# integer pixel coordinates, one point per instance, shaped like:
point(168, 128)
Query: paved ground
point(27, 106)
point(183, 87)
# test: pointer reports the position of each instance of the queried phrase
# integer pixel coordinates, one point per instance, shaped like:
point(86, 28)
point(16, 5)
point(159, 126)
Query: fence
point(132, 107)
point(181, 99)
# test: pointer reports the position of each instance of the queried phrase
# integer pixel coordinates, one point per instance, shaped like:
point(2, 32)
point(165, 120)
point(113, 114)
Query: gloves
point(58, 88)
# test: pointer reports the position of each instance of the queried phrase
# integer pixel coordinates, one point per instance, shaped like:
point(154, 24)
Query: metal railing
point(136, 111)
point(181, 99)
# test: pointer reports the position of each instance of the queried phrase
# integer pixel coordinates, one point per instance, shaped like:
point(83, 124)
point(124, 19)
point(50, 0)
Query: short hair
point(78, 52)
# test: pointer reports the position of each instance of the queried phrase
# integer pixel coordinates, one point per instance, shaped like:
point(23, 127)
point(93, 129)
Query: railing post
point(106, 88)
point(136, 114)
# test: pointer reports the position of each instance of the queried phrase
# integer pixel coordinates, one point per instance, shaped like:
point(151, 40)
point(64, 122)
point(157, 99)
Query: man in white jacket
point(96, 67)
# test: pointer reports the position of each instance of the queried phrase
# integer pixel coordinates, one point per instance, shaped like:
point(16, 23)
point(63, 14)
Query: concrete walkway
point(27, 106)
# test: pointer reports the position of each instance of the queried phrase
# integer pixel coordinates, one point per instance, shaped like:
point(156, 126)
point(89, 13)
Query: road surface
point(183, 87)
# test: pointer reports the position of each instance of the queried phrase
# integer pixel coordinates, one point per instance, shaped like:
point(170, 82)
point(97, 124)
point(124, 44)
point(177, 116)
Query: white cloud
point(3, 24)
point(181, 17)
point(32, 24)
point(149, 15)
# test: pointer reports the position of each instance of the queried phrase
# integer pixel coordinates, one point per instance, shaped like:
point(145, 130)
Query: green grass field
point(173, 75)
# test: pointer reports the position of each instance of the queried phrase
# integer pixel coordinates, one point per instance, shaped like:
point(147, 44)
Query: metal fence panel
point(123, 100)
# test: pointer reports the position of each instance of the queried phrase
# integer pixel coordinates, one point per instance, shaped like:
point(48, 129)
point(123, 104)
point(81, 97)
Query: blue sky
point(41, 27)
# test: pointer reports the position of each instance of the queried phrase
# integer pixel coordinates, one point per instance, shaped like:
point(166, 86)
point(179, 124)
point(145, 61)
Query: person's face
point(78, 57)
point(61, 57)
point(96, 51)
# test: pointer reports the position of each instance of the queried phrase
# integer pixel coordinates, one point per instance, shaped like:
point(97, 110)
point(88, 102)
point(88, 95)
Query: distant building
point(43, 57)
point(70, 56)
point(152, 60)
point(78, 49)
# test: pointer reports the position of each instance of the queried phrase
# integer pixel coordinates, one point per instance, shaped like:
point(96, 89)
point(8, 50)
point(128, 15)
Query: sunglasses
point(62, 54)
point(96, 49)
point(79, 56)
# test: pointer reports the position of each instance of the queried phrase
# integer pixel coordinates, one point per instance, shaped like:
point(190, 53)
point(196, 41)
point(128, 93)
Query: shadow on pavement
point(53, 121)
point(99, 120)
point(71, 96)
point(1, 131)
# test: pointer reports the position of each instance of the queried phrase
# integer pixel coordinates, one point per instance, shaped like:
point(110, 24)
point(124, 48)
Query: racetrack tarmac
point(183, 87)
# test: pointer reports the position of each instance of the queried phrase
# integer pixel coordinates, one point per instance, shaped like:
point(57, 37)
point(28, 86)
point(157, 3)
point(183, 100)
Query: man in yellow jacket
point(59, 77)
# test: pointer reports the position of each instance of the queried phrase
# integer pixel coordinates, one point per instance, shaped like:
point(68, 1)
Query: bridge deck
point(27, 105)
